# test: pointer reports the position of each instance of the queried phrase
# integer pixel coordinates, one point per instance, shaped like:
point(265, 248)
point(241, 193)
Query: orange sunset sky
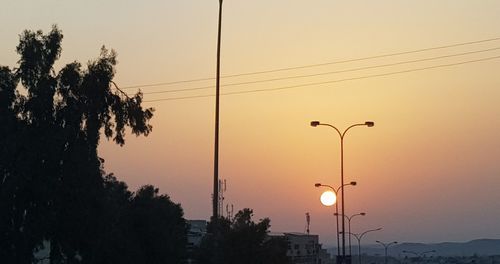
point(428, 171)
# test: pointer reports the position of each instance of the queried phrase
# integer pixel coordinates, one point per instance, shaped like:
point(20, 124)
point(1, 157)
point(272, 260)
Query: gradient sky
point(429, 170)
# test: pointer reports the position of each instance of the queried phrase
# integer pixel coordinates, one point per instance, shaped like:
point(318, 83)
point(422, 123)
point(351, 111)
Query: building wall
point(305, 249)
point(197, 229)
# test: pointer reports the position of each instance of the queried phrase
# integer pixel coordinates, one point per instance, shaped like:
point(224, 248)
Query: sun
point(328, 198)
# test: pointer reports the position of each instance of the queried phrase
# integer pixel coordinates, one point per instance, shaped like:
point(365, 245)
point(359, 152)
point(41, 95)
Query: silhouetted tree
point(241, 240)
point(51, 177)
point(145, 228)
point(275, 251)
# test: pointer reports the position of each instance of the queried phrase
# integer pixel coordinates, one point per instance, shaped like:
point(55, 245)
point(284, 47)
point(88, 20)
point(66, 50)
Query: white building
point(305, 248)
point(197, 230)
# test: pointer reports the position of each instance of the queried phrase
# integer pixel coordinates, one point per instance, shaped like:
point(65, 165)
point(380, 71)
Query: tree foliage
point(241, 240)
point(145, 227)
point(52, 185)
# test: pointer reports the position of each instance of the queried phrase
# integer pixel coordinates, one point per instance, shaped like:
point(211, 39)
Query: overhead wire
point(324, 73)
point(314, 65)
point(329, 82)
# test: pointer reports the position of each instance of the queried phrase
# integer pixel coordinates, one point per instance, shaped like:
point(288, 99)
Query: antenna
point(308, 220)
point(220, 201)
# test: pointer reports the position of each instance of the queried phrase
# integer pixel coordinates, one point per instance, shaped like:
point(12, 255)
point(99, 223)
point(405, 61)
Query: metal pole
point(359, 237)
point(386, 247)
point(359, 250)
point(342, 196)
point(349, 220)
point(367, 123)
point(342, 189)
point(385, 261)
point(336, 191)
point(350, 251)
point(337, 218)
point(215, 202)
point(342, 180)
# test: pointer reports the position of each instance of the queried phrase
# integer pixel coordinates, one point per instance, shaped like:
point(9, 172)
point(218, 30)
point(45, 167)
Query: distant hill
point(481, 247)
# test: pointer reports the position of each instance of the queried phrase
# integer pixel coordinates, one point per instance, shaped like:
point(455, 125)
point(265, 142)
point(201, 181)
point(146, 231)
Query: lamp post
point(342, 135)
point(385, 247)
point(349, 218)
point(215, 198)
point(336, 191)
point(359, 237)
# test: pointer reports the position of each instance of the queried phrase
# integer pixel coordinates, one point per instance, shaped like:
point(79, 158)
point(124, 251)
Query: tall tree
point(52, 182)
point(241, 240)
point(144, 227)
point(154, 228)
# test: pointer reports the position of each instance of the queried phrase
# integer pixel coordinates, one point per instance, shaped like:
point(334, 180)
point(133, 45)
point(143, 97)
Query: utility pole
point(215, 197)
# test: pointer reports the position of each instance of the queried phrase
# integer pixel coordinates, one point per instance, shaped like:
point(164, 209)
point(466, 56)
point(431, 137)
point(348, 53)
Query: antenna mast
point(308, 220)
point(215, 202)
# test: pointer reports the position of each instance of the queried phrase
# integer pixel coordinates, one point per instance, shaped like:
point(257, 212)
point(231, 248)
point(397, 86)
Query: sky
point(426, 72)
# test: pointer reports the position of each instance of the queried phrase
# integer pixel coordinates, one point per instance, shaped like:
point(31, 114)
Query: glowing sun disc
point(328, 198)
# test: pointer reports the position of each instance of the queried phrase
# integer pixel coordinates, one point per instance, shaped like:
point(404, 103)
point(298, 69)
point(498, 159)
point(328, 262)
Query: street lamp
point(336, 191)
point(342, 135)
point(349, 218)
point(215, 198)
point(359, 237)
point(385, 247)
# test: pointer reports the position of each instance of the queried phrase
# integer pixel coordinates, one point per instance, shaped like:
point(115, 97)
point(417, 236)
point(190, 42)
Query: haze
point(428, 171)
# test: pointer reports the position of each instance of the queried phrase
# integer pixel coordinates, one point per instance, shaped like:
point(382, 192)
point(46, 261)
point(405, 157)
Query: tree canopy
point(241, 240)
point(57, 203)
point(146, 227)
point(53, 189)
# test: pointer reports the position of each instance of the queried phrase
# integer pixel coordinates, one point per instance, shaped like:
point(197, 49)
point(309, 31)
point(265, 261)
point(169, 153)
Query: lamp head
point(369, 123)
point(362, 214)
point(315, 123)
point(353, 183)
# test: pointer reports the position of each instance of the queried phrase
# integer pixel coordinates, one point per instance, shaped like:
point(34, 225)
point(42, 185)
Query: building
point(305, 248)
point(196, 232)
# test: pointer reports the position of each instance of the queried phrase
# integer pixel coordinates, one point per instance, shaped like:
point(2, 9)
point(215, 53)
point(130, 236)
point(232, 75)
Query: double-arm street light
point(386, 246)
point(359, 237)
point(336, 191)
point(349, 218)
point(342, 135)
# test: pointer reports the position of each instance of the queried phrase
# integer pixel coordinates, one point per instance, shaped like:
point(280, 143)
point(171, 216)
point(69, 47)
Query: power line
point(325, 73)
point(168, 83)
point(314, 65)
point(329, 82)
